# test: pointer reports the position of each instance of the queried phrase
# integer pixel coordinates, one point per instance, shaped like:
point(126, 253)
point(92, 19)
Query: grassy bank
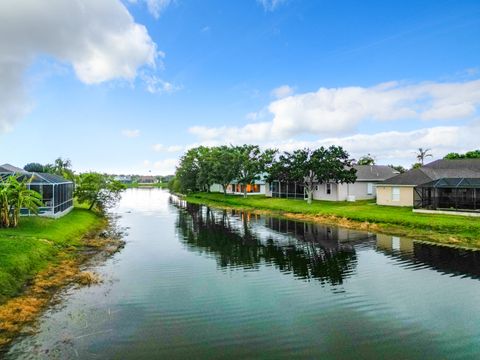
point(446, 229)
point(36, 243)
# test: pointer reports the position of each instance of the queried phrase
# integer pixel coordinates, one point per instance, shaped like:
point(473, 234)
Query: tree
point(474, 154)
point(34, 167)
point(15, 195)
point(422, 154)
point(366, 160)
point(98, 191)
point(323, 165)
point(225, 166)
point(252, 162)
point(187, 171)
point(398, 168)
point(416, 165)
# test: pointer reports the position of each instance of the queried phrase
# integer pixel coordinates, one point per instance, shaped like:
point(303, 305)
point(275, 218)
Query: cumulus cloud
point(155, 85)
point(162, 167)
point(170, 149)
point(99, 39)
point(282, 91)
point(331, 111)
point(270, 5)
point(131, 133)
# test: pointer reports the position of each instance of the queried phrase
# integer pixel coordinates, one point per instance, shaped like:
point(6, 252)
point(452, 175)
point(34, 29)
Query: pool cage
point(449, 194)
point(288, 190)
point(57, 193)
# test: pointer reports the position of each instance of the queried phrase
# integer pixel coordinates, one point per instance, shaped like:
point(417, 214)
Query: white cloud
point(270, 5)
point(161, 167)
point(282, 91)
point(331, 111)
point(131, 133)
point(170, 149)
point(99, 39)
point(155, 85)
point(155, 7)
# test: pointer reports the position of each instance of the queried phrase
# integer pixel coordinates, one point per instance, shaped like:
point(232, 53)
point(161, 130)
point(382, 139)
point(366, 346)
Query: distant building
point(147, 179)
point(124, 179)
point(57, 192)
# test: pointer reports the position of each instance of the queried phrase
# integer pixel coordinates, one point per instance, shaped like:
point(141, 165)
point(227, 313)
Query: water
point(199, 283)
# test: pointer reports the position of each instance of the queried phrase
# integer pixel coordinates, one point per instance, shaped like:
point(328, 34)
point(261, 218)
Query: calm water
point(193, 282)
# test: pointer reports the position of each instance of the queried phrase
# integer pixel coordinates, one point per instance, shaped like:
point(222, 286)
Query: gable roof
point(464, 168)
point(374, 172)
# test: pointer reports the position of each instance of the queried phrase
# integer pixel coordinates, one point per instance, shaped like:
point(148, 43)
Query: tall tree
point(422, 154)
point(34, 167)
point(366, 160)
point(323, 165)
point(187, 171)
point(225, 166)
point(252, 162)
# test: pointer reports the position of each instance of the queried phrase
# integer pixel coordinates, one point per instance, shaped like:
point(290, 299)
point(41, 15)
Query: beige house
point(402, 190)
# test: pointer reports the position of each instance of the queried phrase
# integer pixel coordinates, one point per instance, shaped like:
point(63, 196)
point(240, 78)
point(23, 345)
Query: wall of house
point(384, 196)
point(320, 192)
point(358, 189)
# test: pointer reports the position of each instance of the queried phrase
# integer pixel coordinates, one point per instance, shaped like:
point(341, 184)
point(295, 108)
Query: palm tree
point(15, 195)
point(422, 154)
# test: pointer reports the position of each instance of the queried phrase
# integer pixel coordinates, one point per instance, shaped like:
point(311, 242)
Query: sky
point(127, 86)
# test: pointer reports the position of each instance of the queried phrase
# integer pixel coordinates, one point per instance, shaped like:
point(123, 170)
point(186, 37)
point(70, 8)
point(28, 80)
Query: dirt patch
point(18, 315)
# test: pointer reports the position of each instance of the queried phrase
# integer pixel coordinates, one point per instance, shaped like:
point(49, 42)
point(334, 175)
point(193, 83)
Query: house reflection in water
point(445, 259)
point(247, 241)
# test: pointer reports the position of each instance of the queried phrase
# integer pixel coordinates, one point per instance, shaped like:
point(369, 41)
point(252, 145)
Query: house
point(57, 192)
point(147, 179)
point(441, 184)
point(258, 187)
point(124, 179)
point(368, 176)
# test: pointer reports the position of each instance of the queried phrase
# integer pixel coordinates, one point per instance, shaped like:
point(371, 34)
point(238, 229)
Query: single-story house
point(364, 188)
point(441, 184)
point(258, 187)
point(57, 192)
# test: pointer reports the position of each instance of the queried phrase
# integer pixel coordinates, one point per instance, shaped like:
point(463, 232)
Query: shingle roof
point(374, 172)
point(464, 168)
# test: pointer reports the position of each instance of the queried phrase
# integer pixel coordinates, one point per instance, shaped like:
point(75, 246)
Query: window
point(395, 194)
point(328, 188)
point(369, 188)
point(316, 187)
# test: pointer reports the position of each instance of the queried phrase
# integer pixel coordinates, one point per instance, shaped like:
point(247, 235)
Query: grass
point(36, 243)
point(446, 229)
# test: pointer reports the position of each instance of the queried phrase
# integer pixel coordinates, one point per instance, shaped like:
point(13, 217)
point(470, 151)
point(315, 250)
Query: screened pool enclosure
point(57, 192)
point(449, 194)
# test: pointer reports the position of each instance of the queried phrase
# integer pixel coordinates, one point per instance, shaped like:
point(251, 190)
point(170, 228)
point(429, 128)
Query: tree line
point(201, 167)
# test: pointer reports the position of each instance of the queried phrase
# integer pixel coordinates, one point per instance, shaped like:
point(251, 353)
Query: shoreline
point(68, 266)
point(264, 205)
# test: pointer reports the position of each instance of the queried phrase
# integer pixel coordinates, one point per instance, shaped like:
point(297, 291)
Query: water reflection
point(445, 259)
point(236, 239)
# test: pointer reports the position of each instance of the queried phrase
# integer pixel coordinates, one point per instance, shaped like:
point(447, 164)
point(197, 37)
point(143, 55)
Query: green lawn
point(35, 243)
point(452, 229)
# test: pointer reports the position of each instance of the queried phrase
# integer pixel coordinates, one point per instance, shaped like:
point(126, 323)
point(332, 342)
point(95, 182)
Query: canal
point(200, 283)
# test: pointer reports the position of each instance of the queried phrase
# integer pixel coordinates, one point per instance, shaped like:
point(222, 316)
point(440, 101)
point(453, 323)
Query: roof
point(454, 183)
point(374, 172)
point(464, 168)
point(11, 168)
point(7, 170)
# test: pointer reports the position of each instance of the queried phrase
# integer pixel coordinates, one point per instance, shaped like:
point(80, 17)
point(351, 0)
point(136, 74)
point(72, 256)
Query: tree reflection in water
point(243, 240)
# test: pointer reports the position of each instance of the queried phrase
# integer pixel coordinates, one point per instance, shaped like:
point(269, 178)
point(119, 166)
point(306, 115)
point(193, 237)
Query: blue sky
point(127, 86)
